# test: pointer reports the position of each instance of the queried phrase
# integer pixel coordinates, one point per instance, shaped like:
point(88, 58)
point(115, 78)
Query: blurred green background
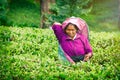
point(99, 14)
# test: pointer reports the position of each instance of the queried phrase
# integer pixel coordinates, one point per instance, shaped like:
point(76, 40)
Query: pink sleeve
point(88, 48)
point(68, 58)
point(58, 31)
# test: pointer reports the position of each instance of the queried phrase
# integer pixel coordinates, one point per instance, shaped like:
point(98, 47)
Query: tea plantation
point(31, 54)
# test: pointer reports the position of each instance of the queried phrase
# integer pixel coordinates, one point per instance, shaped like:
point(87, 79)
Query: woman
point(75, 45)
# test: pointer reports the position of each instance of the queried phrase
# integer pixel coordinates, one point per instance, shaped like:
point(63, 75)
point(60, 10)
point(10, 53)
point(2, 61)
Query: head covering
point(74, 20)
point(80, 23)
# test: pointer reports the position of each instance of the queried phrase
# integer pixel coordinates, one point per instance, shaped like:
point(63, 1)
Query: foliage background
point(30, 53)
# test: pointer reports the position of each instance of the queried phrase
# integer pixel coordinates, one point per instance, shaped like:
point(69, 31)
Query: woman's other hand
point(87, 57)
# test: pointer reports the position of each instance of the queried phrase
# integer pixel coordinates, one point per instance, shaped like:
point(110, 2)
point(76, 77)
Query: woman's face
point(71, 30)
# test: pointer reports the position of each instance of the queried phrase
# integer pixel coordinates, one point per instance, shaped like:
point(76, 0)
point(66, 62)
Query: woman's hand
point(87, 57)
point(72, 62)
point(57, 23)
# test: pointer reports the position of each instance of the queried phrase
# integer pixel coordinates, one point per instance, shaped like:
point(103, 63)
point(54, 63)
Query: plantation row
point(31, 54)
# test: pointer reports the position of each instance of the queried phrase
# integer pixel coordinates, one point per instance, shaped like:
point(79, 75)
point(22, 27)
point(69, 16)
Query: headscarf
point(74, 20)
point(80, 23)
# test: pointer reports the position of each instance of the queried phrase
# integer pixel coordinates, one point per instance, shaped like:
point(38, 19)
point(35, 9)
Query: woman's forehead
point(71, 26)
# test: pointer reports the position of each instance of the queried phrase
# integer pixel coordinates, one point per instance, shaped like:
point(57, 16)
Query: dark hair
point(73, 25)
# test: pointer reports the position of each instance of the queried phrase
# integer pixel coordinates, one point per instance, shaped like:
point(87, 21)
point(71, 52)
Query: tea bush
point(31, 54)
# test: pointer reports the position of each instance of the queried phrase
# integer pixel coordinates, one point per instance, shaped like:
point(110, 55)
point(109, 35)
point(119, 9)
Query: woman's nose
point(71, 32)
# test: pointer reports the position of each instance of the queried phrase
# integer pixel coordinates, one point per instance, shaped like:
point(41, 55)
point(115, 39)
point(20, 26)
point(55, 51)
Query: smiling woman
point(74, 44)
point(71, 30)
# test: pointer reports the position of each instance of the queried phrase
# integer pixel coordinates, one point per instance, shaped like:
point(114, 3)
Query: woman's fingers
point(86, 58)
